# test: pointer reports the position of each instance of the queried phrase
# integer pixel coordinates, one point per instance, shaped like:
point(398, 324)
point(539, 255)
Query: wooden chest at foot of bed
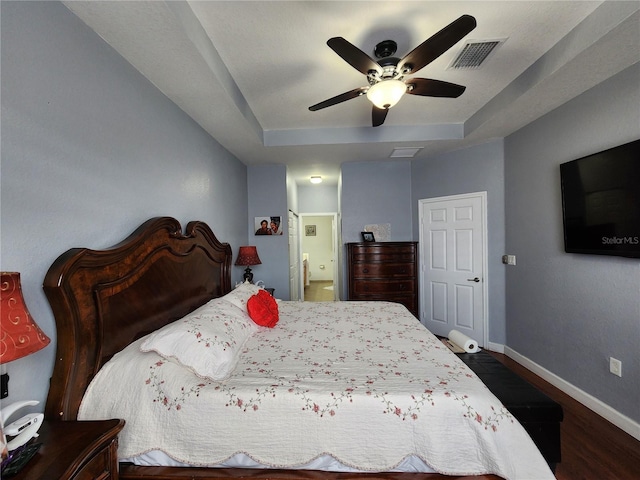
point(539, 415)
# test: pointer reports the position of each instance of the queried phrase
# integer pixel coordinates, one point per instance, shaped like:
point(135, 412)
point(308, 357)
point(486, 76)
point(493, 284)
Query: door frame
point(485, 255)
point(295, 219)
point(334, 241)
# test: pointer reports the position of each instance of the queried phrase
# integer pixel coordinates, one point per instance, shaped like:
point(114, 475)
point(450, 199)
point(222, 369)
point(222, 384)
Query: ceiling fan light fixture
point(386, 93)
point(315, 179)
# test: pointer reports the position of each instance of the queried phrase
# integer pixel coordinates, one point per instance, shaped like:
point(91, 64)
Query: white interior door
point(453, 260)
point(294, 257)
point(334, 240)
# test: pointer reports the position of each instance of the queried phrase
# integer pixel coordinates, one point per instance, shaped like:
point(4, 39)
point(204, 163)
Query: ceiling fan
point(386, 76)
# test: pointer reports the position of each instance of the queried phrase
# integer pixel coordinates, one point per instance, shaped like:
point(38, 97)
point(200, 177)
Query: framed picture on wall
point(268, 225)
point(310, 230)
point(368, 237)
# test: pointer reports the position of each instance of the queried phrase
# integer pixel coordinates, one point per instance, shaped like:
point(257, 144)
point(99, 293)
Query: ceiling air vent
point(473, 53)
point(405, 152)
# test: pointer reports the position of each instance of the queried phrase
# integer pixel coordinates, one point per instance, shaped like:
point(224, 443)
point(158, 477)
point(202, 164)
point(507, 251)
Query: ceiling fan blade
point(353, 55)
point(436, 45)
point(427, 87)
point(343, 97)
point(378, 115)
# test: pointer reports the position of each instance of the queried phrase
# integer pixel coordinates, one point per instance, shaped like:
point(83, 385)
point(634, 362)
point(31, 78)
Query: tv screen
point(601, 202)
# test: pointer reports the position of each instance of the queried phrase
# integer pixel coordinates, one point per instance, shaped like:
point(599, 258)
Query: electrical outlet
point(615, 366)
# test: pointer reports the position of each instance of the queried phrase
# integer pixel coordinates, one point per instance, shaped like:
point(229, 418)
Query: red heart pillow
point(263, 309)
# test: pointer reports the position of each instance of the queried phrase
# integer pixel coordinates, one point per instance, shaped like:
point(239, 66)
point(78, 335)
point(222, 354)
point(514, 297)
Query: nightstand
point(75, 450)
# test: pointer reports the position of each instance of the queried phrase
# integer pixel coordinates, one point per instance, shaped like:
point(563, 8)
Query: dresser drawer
point(383, 287)
point(384, 271)
point(374, 270)
point(402, 255)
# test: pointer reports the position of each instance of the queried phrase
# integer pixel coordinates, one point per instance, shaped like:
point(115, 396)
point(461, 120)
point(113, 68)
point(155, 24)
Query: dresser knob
point(365, 270)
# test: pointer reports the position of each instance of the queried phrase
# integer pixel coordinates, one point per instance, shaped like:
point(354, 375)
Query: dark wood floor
point(592, 447)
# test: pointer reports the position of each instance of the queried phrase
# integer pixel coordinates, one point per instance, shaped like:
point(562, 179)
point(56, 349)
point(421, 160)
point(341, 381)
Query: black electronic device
point(18, 458)
point(601, 202)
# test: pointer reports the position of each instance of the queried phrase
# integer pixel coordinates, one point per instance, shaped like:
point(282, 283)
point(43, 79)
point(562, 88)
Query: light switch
point(509, 259)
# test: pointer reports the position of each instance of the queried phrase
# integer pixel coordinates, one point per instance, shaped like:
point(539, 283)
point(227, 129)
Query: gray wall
point(267, 185)
point(318, 198)
point(476, 169)
point(571, 312)
point(90, 150)
point(369, 193)
point(376, 192)
point(272, 191)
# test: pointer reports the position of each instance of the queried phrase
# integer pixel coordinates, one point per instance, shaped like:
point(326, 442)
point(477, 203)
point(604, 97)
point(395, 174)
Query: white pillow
point(241, 294)
point(208, 341)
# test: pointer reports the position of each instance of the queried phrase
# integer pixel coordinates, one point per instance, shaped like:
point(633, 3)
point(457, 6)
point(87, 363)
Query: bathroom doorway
point(318, 244)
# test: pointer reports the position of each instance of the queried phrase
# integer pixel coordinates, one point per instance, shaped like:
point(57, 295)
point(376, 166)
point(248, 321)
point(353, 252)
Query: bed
point(151, 331)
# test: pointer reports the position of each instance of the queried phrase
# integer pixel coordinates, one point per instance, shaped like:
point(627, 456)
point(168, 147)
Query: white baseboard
point(495, 347)
point(618, 419)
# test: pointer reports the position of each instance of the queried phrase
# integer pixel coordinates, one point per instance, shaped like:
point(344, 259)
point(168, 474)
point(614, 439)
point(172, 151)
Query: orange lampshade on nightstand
point(19, 334)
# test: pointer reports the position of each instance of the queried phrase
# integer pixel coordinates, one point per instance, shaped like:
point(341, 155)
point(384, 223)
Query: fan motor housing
point(386, 48)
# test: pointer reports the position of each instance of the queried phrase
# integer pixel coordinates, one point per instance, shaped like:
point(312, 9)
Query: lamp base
point(248, 275)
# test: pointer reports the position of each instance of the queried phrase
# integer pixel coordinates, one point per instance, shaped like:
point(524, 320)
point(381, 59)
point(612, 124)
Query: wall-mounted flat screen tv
point(601, 202)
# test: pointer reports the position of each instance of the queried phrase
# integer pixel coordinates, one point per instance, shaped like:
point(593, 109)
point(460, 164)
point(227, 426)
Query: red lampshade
point(248, 256)
point(19, 334)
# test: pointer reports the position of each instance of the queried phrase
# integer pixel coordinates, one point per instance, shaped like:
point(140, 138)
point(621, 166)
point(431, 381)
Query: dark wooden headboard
point(105, 299)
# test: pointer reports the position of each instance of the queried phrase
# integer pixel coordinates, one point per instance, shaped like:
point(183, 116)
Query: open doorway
point(318, 246)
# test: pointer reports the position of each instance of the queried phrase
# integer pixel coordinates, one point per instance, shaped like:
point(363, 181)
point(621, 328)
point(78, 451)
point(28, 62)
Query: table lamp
point(247, 257)
point(19, 336)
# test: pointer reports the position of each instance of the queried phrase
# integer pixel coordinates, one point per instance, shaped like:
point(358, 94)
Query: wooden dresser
point(384, 271)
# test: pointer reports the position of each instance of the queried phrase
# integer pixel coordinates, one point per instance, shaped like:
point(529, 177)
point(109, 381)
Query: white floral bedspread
point(363, 382)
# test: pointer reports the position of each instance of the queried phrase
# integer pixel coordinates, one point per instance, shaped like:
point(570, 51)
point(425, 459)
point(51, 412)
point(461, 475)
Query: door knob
point(473, 279)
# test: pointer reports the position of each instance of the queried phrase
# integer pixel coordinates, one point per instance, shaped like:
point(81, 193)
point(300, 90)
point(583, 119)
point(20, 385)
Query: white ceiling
point(247, 71)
